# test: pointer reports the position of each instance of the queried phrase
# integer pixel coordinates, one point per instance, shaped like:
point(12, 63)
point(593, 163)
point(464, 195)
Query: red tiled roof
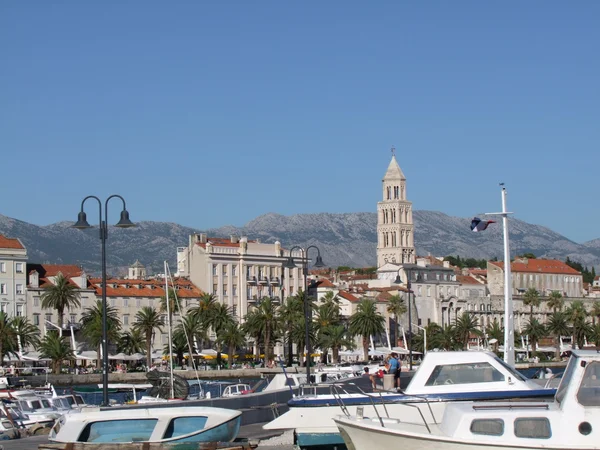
point(466, 279)
point(432, 260)
point(539, 266)
point(52, 270)
point(348, 296)
point(220, 242)
point(10, 243)
point(148, 288)
point(478, 271)
point(324, 282)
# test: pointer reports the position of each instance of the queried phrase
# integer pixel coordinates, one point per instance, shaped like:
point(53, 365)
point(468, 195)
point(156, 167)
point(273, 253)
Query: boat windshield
point(118, 430)
point(518, 375)
point(589, 392)
point(566, 380)
point(24, 406)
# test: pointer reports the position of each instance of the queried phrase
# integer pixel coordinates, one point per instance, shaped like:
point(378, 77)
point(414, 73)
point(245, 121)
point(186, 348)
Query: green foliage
point(147, 320)
point(468, 262)
point(532, 299)
point(60, 296)
point(57, 349)
point(464, 327)
point(536, 331)
point(131, 342)
point(91, 321)
point(366, 321)
point(262, 322)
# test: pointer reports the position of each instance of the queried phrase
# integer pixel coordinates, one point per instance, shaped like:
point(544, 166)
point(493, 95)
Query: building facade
point(238, 271)
point(13, 276)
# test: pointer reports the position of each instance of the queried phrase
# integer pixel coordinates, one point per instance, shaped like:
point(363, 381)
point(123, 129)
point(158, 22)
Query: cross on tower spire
point(393, 150)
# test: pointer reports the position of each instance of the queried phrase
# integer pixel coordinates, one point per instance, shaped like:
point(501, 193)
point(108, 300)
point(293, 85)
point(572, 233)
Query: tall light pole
point(81, 224)
point(509, 325)
point(290, 264)
point(398, 280)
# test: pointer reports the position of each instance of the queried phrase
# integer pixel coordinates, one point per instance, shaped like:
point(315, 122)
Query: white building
point(13, 276)
point(238, 271)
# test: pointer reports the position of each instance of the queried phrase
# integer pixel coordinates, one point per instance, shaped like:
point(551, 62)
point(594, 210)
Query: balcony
point(251, 280)
point(274, 281)
point(264, 281)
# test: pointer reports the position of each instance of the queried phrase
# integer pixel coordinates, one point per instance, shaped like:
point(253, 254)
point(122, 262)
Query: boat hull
point(359, 438)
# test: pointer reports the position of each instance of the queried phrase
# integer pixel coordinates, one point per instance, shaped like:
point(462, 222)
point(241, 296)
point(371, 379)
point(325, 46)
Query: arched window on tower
point(393, 216)
point(389, 192)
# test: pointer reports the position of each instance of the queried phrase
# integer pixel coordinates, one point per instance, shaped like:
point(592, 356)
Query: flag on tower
point(479, 225)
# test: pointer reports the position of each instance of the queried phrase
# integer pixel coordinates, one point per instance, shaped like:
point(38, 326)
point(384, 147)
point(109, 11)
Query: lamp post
point(81, 224)
point(399, 281)
point(290, 264)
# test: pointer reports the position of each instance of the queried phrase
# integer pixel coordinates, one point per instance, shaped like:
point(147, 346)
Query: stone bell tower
point(395, 230)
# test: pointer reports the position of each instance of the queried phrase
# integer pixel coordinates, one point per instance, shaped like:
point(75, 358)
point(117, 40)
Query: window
point(19, 289)
point(428, 291)
point(463, 374)
point(533, 428)
point(181, 426)
point(36, 319)
point(234, 290)
point(125, 302)
point(234, 271)
point(73, 318)
point(234, 310)
point(19, 310)
point(589, 392)
point(36, 301)
point(488, 427)
point(112, 302)
point(19, 268)
point(118, 430)
point(3, 267)
point(215, 287)
point(224, 289)
point(126, 319)
point(3, 288)
point(419, 290)
point(224, 271)
point(214, 267)
point(49, 317)
point(248, 271)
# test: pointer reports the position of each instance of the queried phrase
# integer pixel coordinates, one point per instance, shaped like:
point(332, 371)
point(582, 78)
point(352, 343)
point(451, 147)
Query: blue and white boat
point(162, 425)
point(442, 377)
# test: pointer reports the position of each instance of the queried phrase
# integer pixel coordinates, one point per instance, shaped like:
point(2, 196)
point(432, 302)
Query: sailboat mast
point(509, 324)
point(169, 330)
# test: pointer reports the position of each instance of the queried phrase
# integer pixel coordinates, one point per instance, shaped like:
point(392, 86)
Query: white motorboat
point(163, 425)
point(442, 377)
point(236, 389)
point(570, 421)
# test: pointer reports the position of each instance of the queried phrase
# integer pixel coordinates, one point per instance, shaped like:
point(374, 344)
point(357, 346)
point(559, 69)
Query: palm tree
point(397, 308)
point(531, 298)
point(325, 315)
point(365, 322)
point(205, 308)
point(577, 315)
point(335, 337)
point(172, 306)
point(221, 318)
point(264, 320)
point(595, 334)
point(233, 337)
point(179, 346)
point(91, 321)
point(495, 331)
point(555, 301)
point(536, 331)
point(595, 312)
point(7, 336)
point(147, 320)
point(131, 342)
point(558, 325)
point(465, 326)
point(25, 332)
point(190, 328)
point(57, 349)
point(60, 296)
point(444, 338)
point(330, 297)
point(290, 312)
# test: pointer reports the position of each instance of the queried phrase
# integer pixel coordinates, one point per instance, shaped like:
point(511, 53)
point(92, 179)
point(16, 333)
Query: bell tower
point(395, 230)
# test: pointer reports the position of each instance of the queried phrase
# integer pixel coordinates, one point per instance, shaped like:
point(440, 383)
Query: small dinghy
point(161, 425)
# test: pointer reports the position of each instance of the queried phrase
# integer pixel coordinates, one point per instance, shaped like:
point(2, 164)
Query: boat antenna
point(169, 330)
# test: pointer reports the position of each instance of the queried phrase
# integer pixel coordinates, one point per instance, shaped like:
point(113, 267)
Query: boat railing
point(371, 396)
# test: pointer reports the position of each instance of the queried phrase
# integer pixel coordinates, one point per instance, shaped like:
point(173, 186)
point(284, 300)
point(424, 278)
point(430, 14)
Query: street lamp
point(81, 224)
point(399, 281)
point(290, 264)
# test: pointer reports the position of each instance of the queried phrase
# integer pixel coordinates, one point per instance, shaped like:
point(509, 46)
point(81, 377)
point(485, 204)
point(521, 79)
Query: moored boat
point(570, 421)
point(442, 377)
point(162, 425)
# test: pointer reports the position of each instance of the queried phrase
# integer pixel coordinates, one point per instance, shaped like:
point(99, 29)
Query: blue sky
point(213, 113)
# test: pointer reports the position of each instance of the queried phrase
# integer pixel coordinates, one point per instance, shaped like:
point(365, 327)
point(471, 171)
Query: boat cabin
point(477, 371)
point(234, 390)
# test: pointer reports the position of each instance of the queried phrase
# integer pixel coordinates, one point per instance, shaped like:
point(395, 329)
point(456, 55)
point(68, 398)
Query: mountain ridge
point(348, 239)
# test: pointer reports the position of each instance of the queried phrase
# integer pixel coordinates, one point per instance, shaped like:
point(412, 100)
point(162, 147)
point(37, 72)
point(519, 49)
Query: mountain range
point(348, 239)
